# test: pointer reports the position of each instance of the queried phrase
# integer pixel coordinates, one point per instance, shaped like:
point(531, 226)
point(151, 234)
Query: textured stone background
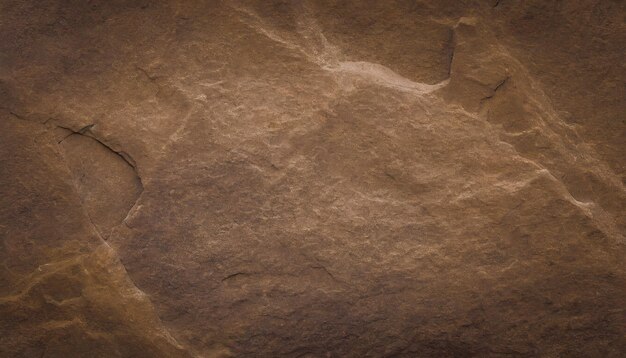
point(312, 178)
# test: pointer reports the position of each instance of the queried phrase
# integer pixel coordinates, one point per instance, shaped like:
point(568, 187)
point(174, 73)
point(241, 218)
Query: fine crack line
point(495, 90)
point(85, 131)
point(500, 84)
point(24, 117)
point(16, 115)
point(235, 275)
point(80, 131)
point(332, 277)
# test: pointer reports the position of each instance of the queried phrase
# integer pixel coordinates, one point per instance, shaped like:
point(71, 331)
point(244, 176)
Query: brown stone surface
point(312, 178)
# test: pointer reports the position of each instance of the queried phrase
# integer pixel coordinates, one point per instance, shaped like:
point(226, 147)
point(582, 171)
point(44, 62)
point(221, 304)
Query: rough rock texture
point(312, 178)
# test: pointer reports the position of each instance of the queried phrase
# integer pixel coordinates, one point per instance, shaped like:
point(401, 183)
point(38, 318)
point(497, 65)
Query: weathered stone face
point(312, 178)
